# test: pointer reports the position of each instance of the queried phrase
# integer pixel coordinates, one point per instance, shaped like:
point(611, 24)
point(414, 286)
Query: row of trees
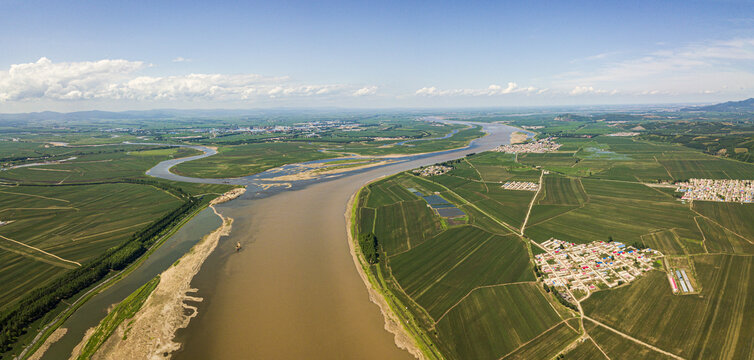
point(370, 247)
point(15, 320)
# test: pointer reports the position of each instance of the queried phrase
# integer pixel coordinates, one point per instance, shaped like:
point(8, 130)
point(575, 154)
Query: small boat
point(238, 246)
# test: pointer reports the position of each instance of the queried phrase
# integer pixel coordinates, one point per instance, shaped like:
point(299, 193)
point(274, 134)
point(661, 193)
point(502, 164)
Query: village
point(741, 191)
point(629, 133)
point(521, 185)
point(537, 146)
point(432, 170)
point(588, 267)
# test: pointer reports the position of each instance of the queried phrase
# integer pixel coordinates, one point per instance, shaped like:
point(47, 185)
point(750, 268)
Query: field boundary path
point(674, 356)
point(533, 199)
point(39, 250)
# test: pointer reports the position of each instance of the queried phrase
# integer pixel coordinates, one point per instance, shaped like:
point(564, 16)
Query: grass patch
point(126, 309)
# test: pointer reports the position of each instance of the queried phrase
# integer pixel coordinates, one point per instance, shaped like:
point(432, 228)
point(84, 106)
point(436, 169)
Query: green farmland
point(711, 324)
point(470, 287)
point(74, 223)
point(446, 275)
point(67, 225)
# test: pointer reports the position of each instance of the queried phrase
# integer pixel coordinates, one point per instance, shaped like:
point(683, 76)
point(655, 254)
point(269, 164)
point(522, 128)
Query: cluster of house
point(432, 170)
point(587, 267)
point(537, 146)
point(624, 134)
point(741, 191)
point(521, 185)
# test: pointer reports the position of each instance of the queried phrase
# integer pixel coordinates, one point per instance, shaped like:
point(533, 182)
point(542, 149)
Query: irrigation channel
point(293, 291)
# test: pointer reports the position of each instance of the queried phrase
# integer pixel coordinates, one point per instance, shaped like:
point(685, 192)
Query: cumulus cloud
point(582, 90)
point(181, 59)
point(365, 91)
point(121, 80)
point(491, 90)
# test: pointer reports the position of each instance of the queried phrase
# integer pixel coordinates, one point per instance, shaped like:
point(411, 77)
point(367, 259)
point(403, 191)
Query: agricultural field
point(617, 347)
point(59, 227)
point(711, 324)
point(585, 350)
point(382, 148)
point(70, 214)
point(118, 163)
point(548, 344)
point(559, 190)
point(495, 321)
point(735, 217)
point(460, 270)
point(247, 159)
point(598, 189)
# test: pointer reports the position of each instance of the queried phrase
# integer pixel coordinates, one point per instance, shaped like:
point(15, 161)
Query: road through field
point(292, 292)
point(531, 204)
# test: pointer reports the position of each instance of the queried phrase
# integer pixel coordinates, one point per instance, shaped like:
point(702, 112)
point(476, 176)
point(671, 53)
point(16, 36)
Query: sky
point(123, 55)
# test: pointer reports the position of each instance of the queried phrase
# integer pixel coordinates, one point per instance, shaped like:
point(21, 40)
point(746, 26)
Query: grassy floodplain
point(125, 310)
point(470, 288)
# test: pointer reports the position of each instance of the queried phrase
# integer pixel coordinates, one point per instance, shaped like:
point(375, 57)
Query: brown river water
point(293, 291)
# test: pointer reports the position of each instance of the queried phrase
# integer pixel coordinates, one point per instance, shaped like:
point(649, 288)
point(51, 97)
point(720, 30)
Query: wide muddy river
point(293, 291)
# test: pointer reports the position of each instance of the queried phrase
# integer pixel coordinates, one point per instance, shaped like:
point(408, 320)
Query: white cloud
point(582, 90)
point(120, 80)
point(491, 90)
point(367, 90)
point(181, 59)
point(687, 69)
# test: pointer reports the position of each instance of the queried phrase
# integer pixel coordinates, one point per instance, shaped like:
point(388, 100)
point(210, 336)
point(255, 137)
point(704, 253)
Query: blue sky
point(146, 54)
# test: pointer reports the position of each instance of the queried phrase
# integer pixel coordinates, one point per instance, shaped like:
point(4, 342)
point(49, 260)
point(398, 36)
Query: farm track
point(531, 204)
point(625, 336)
point(40, 251)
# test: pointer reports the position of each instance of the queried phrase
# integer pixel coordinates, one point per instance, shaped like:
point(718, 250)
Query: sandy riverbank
point(321, 171)
point(392, 322)
point(55, 336)
point(150, 333)
point(518, 137)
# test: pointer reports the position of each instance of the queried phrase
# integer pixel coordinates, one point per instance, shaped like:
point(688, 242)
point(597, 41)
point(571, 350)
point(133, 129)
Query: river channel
point(293, 291)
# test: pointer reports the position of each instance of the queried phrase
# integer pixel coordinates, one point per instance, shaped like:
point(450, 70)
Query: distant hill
point(730, 106)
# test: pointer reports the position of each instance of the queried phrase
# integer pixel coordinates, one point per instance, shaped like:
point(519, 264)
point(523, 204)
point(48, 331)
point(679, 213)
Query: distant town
point(538, 146)
point(741, 191)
